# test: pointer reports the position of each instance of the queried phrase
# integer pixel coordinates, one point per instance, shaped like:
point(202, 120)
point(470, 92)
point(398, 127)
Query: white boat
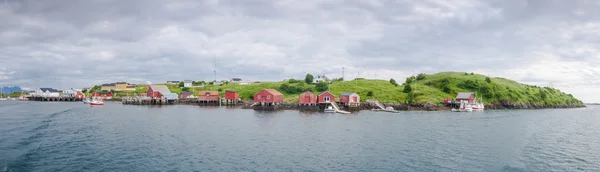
point(329, 110)
point(478, 105)
point(464, 107)
point(96, 102)
point(86, 101)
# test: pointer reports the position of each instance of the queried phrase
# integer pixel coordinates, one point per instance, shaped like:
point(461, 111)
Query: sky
point(74, 44)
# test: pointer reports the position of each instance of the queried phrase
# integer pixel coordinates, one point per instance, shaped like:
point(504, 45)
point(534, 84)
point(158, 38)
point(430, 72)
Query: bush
point(370, 93)
point(220, 89)
point(293, 81)
point(181, 84)
point(410, 79)
point(446, 89)
point(322, 86)
point(407, 89)
point(421, 76)
point(393, 82)
point(186, 89)
point(488, 80)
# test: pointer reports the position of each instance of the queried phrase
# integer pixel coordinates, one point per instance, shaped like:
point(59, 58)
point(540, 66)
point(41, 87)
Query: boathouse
point(307, 98)
point(160, 92)
point(208, 96)
point(350, 99)
point(326, 97)
point(47, 92)
point(231, 96)
point(102, 95)
point(268, 96)
point(186, 95)
point(466, 96)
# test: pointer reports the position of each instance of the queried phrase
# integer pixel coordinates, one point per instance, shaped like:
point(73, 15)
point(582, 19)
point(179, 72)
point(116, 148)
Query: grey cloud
point(80, 43)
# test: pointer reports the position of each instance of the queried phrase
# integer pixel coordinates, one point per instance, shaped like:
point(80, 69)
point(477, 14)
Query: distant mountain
point(10, 90)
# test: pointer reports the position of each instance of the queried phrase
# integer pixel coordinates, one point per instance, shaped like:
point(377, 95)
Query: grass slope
point(430, 89)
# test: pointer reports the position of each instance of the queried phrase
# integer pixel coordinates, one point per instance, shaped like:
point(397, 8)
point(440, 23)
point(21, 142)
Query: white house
point(69, 93)
point(320, 78)
point(187, 83)
point(47, 92)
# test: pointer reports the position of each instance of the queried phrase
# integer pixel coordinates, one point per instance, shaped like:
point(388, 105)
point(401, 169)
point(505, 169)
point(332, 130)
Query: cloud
point(68, 44)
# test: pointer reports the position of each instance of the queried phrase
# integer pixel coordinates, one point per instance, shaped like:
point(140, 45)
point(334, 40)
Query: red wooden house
point(231, 96)
point(185, 95)
point(307, 98)
point(268, 96)
point(79, 95)
point(326, 97)
point(350, 99)
point(102, 95)
point(159, 92)
point(466, 96)
point(208, 96)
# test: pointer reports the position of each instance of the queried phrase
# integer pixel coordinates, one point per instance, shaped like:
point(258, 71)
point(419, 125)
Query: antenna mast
point(215, 68)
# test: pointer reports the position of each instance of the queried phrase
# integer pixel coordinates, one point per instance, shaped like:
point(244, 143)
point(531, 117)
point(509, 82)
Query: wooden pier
point(146, 101)
point(54, 99)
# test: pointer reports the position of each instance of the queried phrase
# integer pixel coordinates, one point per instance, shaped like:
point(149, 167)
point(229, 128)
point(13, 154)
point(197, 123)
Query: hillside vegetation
point(425, 88)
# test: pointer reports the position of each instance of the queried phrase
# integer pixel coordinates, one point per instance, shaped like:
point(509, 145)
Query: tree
point(393, 82)
point(472, 73)
point(488, 80)
point(322, 86)
point(220, 89)
point(421, 76)
point(181, 84)
point(186, 89)
point(409, 80)
point(407, 89)
point(309, 79)
point(84, 91)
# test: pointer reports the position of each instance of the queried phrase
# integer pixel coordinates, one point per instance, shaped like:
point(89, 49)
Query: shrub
point(393, 82)
point(370, 93)
point(322, 86)
point(407, 89)
point(421, 76)
point(488, 80)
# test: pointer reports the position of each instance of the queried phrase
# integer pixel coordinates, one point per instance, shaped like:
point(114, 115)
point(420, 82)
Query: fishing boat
point(329, 110)
point(464, 107)
point(86, 101)
point(478, 105)
point(22, 97)
point(96, 101)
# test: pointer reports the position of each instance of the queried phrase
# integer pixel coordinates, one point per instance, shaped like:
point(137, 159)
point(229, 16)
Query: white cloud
point(155, 41)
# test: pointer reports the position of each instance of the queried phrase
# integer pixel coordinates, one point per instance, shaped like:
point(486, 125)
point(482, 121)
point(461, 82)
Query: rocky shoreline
point(366, 106)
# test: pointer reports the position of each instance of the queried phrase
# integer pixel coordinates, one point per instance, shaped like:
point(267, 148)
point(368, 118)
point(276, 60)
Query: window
point(258, 97)
point(268, 97)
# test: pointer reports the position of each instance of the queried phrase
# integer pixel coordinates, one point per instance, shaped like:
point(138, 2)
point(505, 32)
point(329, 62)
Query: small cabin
point(186, 95)
point(307, 98)
point(350, 99)
point(208, 96)
point(466, 96)
point(268, 96)
point(326, 97)
point(232, 95)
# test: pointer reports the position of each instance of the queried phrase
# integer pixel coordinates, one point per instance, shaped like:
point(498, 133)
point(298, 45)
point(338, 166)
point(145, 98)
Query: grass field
point(429, 88)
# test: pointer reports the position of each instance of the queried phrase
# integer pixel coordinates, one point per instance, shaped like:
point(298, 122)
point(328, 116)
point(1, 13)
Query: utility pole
point(343, 68)
point(215, 67)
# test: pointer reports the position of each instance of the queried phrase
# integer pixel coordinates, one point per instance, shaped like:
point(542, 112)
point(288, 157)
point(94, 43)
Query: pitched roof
point(52, 90)
point(212, 93)
point(347, 93)
point(162, 89)
point(464, 95)
point(121, 83)
point(231, 91)
point(274, 92)
point(187, 81)
point(108, 85)
point(188, 93)
point(170, 96)
point(325, 92)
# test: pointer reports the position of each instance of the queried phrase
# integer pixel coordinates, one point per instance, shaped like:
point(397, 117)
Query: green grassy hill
point(426, 88)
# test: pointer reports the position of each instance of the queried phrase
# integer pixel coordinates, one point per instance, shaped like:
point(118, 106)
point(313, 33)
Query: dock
point(337, 109)
point(142, 100)
point(380, 107)
point(54, 99)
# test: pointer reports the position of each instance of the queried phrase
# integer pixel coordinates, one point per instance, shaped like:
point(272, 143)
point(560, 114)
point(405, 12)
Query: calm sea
point(60, 136)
